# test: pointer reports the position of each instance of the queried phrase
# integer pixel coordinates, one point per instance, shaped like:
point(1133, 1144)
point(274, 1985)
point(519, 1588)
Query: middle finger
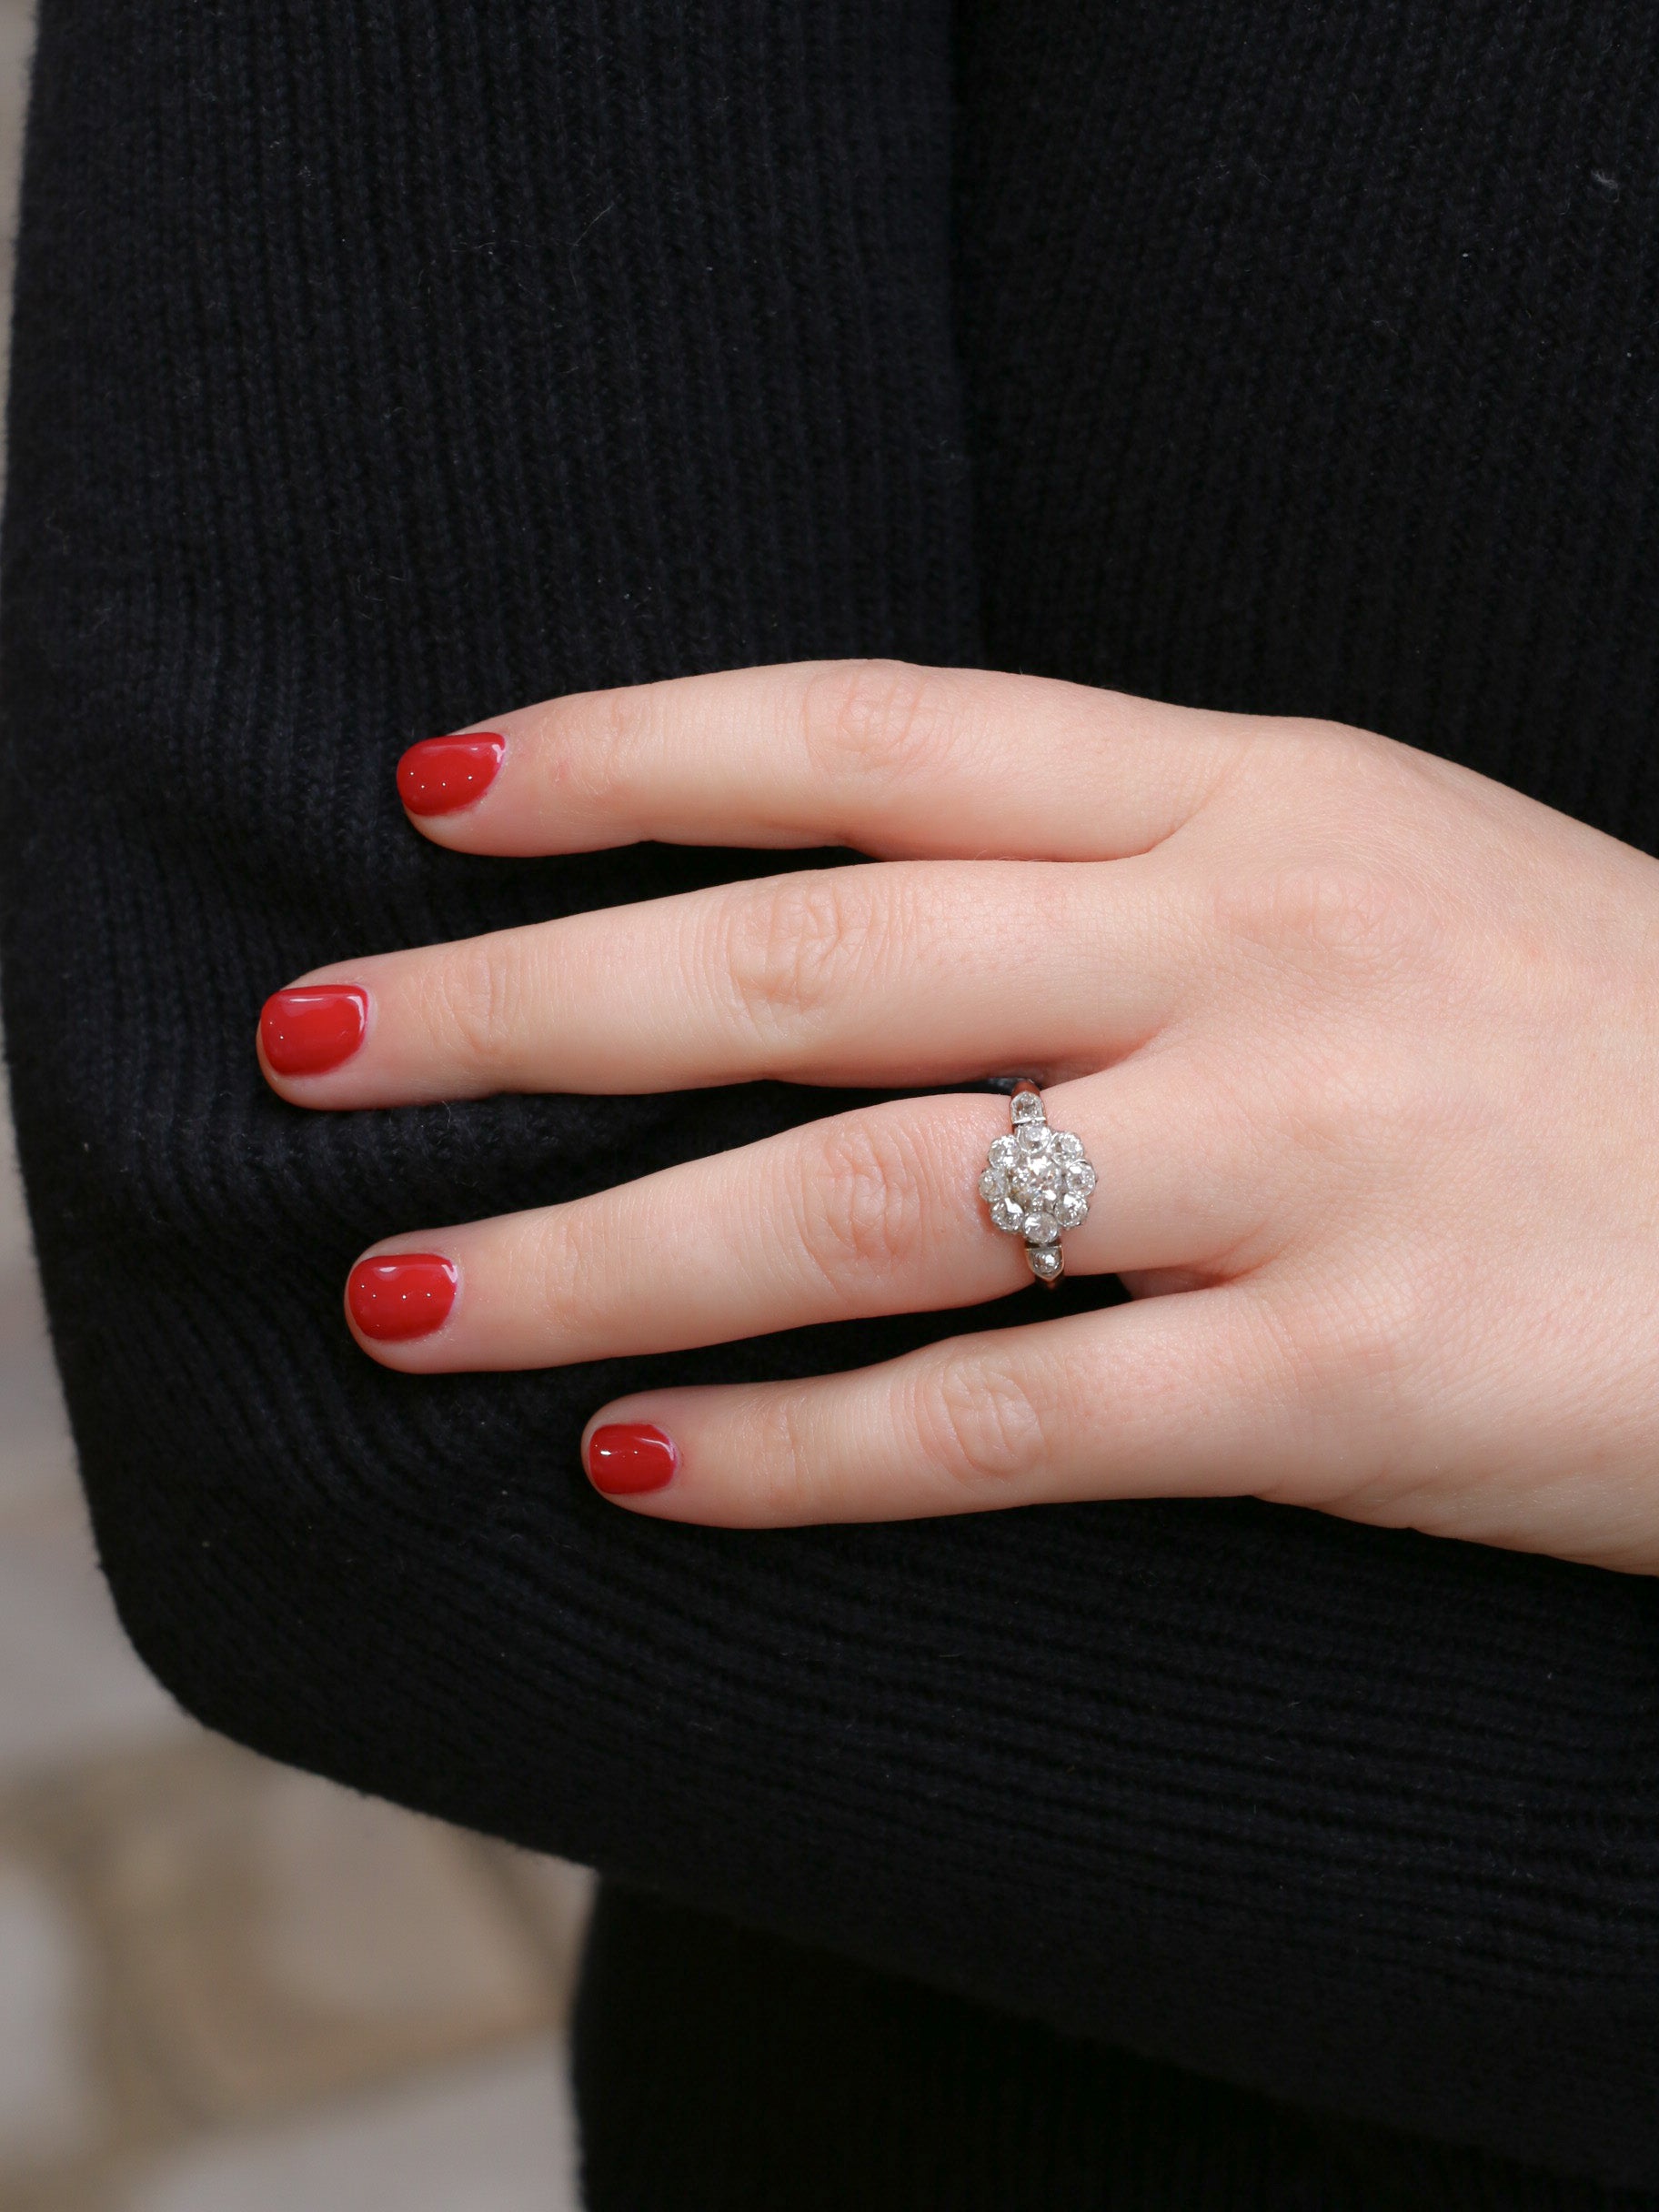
point(886, 973)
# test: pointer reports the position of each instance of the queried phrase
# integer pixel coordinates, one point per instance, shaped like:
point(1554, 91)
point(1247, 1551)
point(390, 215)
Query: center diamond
point(1036, 1179)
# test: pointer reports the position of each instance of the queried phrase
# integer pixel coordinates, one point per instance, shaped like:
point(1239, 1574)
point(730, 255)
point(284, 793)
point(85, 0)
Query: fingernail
point(626, 1457)
point(404, 1294)
point(314, 1027)
point(442, 775)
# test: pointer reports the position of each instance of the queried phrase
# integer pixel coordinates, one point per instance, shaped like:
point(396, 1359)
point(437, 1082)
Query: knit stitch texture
point(381, 364)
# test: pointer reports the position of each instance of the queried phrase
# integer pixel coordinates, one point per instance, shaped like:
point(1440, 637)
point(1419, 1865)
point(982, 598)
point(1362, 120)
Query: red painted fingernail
point(442, 775)
point(626, 1457)
point(404, 1294)
point(314, 1027)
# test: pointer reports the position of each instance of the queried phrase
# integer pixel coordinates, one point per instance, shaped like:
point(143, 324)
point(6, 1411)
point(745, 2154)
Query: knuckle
point(559, 1274)
point(782, 1489)
point(797, 946)
point(1336, 1351)
point(860, 1201)
point(479, 999)
point(881, 718)
point(600, 743)
point(977, 1419)
point(1327, 910)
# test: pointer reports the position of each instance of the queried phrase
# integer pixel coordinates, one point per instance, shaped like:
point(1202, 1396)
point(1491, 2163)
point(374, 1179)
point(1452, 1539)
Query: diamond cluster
point(1037, 1184)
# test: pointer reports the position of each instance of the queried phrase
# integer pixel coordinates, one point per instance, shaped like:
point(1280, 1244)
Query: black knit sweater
point(381, 364)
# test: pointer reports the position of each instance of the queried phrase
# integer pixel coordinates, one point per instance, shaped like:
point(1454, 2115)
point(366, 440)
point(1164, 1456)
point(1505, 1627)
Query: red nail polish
point(442, 775)
point(313, 1027)
point(401, 1295)
point(626, 1457)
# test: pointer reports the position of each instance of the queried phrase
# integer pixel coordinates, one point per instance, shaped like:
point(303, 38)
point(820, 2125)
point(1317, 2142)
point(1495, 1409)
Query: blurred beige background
point(225, 1987)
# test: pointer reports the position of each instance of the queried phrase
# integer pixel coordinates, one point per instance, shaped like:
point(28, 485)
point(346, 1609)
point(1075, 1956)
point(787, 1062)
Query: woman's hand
point(1365, 1047)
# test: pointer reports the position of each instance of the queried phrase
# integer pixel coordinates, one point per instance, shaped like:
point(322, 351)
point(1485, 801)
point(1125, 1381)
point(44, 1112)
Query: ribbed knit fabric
point(718, 2067)
point(382, 363)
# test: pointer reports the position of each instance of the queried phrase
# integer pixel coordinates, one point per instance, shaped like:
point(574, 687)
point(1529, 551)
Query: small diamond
point(1045, 1262)
point(993, 1184)
point(1035, 1137)
point(1040, 1229)
point(1007, 1214)
point(1004, 1151)
point(1081, 1178)
point(1068, 1146)
point(1027, 1107)
point(1071, 1211)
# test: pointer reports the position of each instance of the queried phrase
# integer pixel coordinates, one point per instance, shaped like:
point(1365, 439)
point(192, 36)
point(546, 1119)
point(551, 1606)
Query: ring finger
point(874, 1212)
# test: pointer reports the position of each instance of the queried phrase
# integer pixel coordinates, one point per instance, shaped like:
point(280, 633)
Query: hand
point(1365, 1047)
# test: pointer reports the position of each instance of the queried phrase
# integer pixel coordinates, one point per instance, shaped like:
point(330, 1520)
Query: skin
point(1364, 1047)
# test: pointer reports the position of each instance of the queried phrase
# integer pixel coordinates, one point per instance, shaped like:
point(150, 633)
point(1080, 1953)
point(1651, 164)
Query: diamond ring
point(1038, 1183)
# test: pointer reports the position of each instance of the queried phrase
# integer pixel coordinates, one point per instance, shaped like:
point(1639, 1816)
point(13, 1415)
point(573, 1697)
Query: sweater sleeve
point(381, 364)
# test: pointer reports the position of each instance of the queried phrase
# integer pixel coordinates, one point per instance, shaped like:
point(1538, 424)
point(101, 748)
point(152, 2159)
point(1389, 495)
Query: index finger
point(891, 759)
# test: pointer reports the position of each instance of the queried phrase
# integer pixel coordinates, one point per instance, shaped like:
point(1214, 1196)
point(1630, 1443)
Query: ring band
point(1038, 1183)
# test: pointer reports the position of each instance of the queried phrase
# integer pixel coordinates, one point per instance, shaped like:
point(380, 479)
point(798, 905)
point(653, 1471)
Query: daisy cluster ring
point(1038, 1183)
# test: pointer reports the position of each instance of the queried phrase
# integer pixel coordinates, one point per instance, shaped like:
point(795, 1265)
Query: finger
point(1179, 1397)
point(904, 973)
point(886, 758)
point(874, 1212)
